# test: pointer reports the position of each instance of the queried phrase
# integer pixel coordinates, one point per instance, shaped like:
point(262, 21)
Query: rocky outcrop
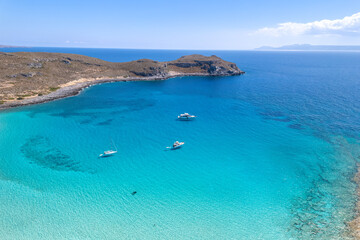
point(35, 65)
point(212, 65)
point(185, 64)
point(28, 75)
point(66, 61)
point(151, 72)
point(145, 68)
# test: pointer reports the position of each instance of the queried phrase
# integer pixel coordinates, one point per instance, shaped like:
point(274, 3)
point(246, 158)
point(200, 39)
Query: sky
point(185, 24)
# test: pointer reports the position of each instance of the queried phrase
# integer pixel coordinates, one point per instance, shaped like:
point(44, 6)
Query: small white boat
point(186, 116)
point(176, 145)
point(109, 153)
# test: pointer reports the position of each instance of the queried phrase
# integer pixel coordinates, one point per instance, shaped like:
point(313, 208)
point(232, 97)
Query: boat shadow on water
point(171, 149)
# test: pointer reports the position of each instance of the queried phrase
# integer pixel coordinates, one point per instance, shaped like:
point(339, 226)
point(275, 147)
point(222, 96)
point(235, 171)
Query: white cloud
point(75, 42)
point(347, 25)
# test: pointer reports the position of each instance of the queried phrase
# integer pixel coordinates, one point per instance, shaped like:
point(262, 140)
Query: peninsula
point(29, 77)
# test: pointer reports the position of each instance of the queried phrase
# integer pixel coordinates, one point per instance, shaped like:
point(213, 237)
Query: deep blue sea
point(271, 155)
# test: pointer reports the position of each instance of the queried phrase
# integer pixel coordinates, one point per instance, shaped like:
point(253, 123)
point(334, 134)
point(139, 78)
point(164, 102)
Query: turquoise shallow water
point(270, 156)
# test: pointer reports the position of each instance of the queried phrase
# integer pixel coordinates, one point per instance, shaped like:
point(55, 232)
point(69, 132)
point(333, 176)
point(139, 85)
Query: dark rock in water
point(105, 123)
point(133, 193)
point(283, 119)
point(86, 121)
point(38, 150)
point(275, 116)
point(272, 114)
point(296, 126)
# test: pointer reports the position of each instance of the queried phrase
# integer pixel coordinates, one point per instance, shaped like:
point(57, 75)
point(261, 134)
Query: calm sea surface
point(271, 155)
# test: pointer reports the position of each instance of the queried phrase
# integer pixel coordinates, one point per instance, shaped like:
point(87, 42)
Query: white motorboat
point(176, 145)
point(186, 116)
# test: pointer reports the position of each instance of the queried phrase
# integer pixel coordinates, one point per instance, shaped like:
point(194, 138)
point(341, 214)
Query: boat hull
point(103, 155)
point(177, 147)
point(186, 118)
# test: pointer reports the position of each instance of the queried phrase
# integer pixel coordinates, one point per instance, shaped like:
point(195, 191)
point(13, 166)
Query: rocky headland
point(29, 77)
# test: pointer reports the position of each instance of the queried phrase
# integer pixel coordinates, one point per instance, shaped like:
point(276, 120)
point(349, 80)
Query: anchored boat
point(176, 145)
point(109, 153)
point(186, 117)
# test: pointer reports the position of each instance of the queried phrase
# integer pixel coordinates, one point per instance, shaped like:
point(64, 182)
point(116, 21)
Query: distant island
point(29, 77)
point(309, 47)
point(8, 46)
